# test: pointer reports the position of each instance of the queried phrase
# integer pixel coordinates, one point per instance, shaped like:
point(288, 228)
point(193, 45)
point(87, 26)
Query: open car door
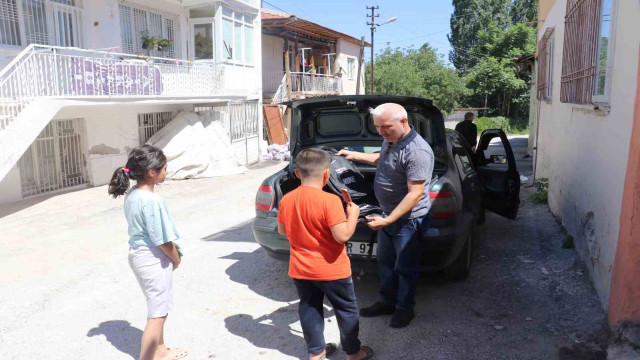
point(497, 168)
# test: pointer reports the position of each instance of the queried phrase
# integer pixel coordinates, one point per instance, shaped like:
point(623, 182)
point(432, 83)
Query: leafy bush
point(498, 122)
point(541, 196)
point(508, 125)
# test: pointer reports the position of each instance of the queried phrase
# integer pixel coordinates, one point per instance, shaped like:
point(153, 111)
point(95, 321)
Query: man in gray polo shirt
point(404, 170)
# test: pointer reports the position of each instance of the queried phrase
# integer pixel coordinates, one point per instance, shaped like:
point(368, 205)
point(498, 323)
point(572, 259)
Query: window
point(461, 156)
point(603, 64)
point(56, 22)
point(150, 123)
point(9, 28)
point(237, 36)
point(545, 66)
point(586, 53)
point(203, 41)
point(134, 21)
point(202, 12)
point(351, 68)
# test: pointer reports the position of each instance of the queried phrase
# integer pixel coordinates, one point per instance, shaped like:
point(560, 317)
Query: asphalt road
point(66, 291)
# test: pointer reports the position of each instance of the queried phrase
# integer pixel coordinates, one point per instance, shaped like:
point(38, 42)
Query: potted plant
point(148, 42)
point(163, 43)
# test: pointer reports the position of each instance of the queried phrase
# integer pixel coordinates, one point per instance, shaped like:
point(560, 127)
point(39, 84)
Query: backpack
point(345, 175)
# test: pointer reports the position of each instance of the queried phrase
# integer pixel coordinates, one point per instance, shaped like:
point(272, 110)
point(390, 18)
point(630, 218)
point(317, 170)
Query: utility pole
point(360, 63)
point(373, 17)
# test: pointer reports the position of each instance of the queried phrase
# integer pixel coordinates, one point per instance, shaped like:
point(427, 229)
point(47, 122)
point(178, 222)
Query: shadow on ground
point(274, 330)
point(237, 233)
point(121, 335)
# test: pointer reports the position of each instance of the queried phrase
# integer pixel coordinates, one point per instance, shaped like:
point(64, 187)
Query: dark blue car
point(464, 184)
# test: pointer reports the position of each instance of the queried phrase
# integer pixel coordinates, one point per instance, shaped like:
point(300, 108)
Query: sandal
point(176, 353)
point(368, 351)
point(330, 349)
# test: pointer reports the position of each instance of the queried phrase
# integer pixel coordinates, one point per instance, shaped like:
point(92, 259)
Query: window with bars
point(545, 66)
point(150, 123)
point(9, 25)
point(45, 22)
point(136, 21)
point(586, 51)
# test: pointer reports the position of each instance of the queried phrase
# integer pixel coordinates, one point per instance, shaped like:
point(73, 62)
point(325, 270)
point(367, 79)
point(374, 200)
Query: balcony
point(303, 85)
point(58, 72)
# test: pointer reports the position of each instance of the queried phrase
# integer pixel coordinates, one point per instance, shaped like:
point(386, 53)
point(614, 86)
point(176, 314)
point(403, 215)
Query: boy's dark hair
point(141, 160)
point(468, 115)
point(310, 162)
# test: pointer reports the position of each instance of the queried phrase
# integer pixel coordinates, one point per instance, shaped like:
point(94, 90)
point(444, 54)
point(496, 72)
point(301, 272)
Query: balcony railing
point(307, 84)
point(50, 71)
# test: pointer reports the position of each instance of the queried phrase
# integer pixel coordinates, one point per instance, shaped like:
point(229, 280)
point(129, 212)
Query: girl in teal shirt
point(153, 255)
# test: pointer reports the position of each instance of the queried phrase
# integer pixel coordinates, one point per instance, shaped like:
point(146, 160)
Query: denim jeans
point(399, 252)
point(343, 299)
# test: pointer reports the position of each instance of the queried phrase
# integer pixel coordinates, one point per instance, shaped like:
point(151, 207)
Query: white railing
point(50, 71)
point(308, 84)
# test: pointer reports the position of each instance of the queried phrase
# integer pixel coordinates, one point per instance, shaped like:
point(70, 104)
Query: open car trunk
point(344, 122)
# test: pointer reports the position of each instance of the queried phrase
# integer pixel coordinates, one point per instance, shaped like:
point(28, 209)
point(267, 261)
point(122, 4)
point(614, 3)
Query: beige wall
point(583, 151)
point(544, 6)
point(345, 51)
point(272, 62)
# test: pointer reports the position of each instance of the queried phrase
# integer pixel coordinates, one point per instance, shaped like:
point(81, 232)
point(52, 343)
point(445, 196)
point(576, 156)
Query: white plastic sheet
point(196, 147)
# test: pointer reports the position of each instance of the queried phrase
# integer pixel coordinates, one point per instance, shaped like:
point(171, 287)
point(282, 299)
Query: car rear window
point(339, 123)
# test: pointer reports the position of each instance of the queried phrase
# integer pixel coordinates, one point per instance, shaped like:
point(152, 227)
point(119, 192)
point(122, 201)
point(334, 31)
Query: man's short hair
point(311, 162)
point(395, 111)
point(468, 115)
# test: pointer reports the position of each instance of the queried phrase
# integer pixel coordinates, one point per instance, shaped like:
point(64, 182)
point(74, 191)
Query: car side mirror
point(498, 159)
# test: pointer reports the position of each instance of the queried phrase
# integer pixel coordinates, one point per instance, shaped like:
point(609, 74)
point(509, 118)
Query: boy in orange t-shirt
point(317, 228)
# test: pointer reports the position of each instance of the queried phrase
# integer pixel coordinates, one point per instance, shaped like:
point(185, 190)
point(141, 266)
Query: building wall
point(625, 289)
point(272, 62)
point(10, 187)
point(583, 151)
point(346, 49)
point(544, 6)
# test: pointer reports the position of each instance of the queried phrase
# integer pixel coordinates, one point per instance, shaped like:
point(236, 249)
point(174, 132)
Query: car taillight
point(441, 194)
point(443, 204)
point(264, 199)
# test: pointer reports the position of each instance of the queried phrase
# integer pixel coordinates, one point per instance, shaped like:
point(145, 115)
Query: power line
point(417, 37)
point(270, 4)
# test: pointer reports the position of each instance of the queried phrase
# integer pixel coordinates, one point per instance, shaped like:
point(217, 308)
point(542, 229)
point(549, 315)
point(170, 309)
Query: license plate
point(359, 248)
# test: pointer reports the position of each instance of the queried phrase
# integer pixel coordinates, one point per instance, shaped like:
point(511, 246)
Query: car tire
point(459, 269)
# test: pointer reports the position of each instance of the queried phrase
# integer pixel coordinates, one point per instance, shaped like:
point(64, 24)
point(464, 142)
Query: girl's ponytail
point(140, 161)
point(119, 183)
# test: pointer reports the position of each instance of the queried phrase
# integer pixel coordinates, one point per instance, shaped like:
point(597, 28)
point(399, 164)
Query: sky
point(418, 21)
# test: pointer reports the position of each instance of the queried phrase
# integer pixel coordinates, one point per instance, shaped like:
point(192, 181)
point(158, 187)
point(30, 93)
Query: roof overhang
point(290, 26)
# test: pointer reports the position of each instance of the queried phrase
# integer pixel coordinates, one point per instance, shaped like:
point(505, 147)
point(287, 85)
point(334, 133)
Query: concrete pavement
point(66, 291)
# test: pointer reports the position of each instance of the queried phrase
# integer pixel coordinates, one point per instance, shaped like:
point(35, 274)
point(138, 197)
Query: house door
point(54, 161)
point(243, 130)
point(202, 36)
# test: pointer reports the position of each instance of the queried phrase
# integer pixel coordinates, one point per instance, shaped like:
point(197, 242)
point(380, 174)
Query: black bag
point(345, 175)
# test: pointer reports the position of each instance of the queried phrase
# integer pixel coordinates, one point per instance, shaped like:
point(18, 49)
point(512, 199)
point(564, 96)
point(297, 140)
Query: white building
point(81, 86)
point(587, 81)
point(322, 61)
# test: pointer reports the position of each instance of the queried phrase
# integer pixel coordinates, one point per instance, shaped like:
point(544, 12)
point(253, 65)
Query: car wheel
point(459, 269)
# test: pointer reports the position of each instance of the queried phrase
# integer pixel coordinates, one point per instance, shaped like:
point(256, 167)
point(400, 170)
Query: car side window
point(461, 156)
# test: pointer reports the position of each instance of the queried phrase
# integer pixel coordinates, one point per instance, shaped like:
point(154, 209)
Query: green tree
point(523, 11)
point(468, 19)
point(417, 72)
point(495, 79)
